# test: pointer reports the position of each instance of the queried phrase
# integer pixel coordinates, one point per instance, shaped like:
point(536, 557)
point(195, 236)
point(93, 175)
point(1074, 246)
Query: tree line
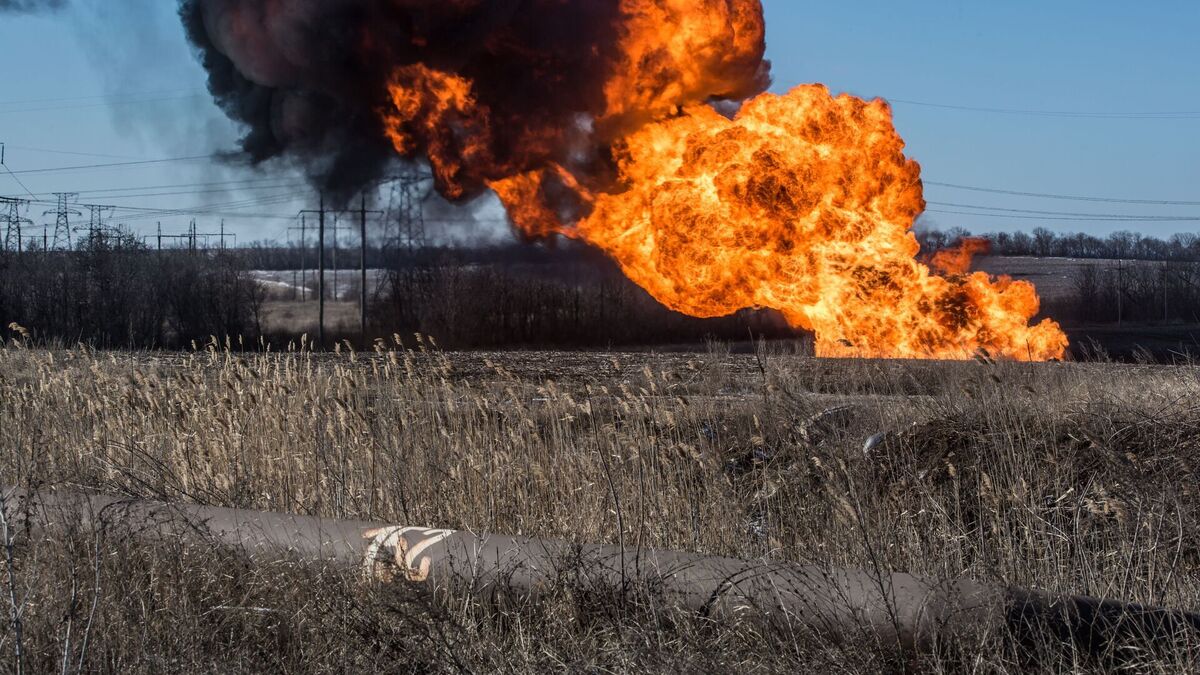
point(113, 291)
point(1044, 243)
point(571, 298)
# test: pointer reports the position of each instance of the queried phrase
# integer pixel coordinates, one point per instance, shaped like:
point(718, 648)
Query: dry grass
point(293, 317)
point(1071, 477)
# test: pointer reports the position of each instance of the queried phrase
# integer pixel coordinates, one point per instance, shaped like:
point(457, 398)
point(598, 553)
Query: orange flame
point(957, 260)
point(438, 109)
point(802, 203)
point(674, 51)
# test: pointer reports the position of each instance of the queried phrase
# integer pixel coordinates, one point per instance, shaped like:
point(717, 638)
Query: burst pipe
point(841, 605)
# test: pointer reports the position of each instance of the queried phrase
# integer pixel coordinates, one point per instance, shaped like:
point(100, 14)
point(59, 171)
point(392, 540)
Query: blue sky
point(136, 93)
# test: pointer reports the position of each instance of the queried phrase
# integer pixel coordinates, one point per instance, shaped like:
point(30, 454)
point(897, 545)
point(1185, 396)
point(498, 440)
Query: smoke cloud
point(318, 80)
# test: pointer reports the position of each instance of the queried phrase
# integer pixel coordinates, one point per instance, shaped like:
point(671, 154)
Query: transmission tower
point(62, 223)
point(406, 203)
point(96, 226)
point(13, 221)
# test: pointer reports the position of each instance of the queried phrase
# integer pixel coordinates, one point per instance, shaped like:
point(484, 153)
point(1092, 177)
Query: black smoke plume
point(308, 78)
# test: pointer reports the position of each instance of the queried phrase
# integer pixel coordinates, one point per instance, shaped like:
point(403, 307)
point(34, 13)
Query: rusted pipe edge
point(841, 605)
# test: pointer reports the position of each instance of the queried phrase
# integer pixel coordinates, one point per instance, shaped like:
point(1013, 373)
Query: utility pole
point(1120, 289)
point(194, 236)
point(303, 257)
point(320, 268)
point(336, 226)
point(321, 275)
point(195, 241)
point(362, 268)
point(1164, 287)
point(188, 237)
point(62, 222)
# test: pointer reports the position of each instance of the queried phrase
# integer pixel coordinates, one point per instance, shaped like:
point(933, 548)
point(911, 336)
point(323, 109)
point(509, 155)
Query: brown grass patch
point(1071, 477)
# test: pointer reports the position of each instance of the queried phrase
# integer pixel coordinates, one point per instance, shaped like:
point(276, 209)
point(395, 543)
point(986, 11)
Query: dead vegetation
point(1065, 477)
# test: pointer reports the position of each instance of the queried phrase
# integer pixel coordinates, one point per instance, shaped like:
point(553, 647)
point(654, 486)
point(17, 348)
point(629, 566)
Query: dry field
point(293, 317)
point(1066, 477)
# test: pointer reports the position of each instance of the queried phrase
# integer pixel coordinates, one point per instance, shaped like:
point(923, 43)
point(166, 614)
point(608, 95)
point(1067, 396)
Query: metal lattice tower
point(96, 225)
point(62, 223)
point(10, 211)
point(406, 206)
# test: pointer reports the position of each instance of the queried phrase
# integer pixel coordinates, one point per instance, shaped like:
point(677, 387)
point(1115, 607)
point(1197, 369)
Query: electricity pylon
point(62, 222)
point(13, 221)
point(406, 203)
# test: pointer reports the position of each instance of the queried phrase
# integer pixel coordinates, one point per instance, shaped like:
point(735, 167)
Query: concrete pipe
point(901, 610)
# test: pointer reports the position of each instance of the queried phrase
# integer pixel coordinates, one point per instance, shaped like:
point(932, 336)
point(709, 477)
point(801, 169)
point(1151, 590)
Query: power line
point(207, 191)
point(111, 165)
point(267, 183)
point(1044, 195)
point(103, 105)
point(1047, 218)
point(68, 152)
point(255, 200)
point(1078, 114)
point(210, 210)
point(225, 208)
point(246, 183)
point(14, 177)
point(1103, 216)
point(214, 210)
point(130, 94)
point(10, 172)
point(172, 193)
